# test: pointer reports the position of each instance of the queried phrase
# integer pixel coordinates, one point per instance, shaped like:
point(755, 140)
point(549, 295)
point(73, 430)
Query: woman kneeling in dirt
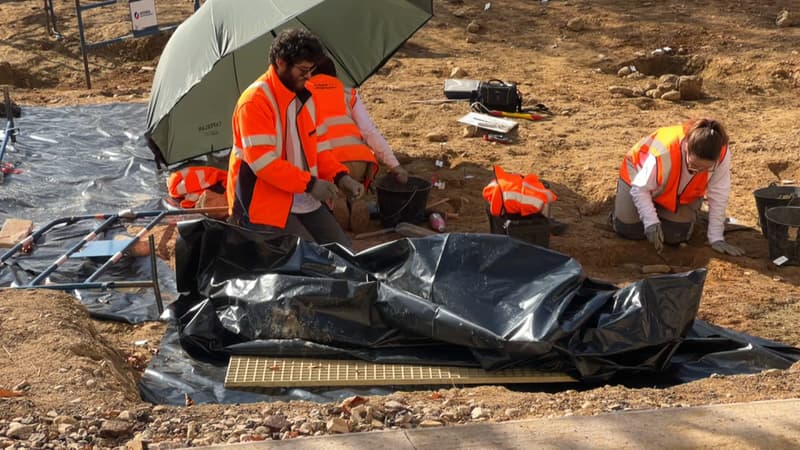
point(662, 182)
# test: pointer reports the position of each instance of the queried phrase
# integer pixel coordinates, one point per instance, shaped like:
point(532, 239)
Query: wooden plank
point(13, 231)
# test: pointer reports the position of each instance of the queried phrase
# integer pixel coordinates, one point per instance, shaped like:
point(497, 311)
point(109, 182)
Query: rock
point(436, 137)
point(430, 423)
point(377, 424)
point(473, 27)
point(458, 72)
point(18, 430)
point(656, 268)
point(125, 415)
point(360, 414)
point(513, 412)
point(621, 90)
point(576, 24)
point(479, 413)
point(672, 96)
point(22, 386)
point(115, 429)
point(394, 405)
point(65, 419)
point(305, 428)
point(669, 81)
point(191, 430)
point(786, 19)
point(624, 71)
point(276, 422)
point(690, 87)
point(211, 199)
point(472, 39)
point(337, 425)
point(136, 444)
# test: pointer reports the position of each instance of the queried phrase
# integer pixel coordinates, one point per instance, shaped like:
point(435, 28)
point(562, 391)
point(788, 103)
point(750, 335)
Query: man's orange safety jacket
point(511, 193)
point(261, 180)
point(337, 131)
point(665, 145)
point(189, 183)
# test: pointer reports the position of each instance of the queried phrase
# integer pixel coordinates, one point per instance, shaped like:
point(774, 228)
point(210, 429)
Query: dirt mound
point(53, 355)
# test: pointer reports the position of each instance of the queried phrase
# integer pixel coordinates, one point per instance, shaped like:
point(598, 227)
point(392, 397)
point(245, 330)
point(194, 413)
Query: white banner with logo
point(143, 14)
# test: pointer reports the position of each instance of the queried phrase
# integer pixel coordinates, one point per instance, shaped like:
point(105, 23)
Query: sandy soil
point(564, 54)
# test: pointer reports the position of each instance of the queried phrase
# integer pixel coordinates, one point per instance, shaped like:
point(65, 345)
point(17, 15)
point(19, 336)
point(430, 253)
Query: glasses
point(306, 70)
point(695, 165)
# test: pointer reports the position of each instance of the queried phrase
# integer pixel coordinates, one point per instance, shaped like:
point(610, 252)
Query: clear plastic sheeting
point(465, 299)
point(78, 161)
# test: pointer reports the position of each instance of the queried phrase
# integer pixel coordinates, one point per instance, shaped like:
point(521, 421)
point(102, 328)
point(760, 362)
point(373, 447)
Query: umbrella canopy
point(224, 46)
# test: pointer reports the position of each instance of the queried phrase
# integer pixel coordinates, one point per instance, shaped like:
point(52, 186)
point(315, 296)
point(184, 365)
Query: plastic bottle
point(437, 222)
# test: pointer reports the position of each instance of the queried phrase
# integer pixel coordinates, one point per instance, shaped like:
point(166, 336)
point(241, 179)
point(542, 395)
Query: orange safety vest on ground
point(510, 193)
point(261, 181)
point(337, 131)
point(665, 145)
point(186, 185)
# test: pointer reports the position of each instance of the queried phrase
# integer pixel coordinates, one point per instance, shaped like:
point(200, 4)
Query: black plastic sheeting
point(77, 161)
point(454, 299)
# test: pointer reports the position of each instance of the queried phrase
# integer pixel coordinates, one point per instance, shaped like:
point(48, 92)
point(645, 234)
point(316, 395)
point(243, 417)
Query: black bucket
point(399, 202)
point(783, 234)
point(772, 196)
point(533, 229)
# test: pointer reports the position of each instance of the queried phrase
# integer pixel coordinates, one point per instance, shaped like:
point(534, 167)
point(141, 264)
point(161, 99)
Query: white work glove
point(724, 247)
point(351, 186)
point(655, 235)
point(323, 190)
point(400, 174)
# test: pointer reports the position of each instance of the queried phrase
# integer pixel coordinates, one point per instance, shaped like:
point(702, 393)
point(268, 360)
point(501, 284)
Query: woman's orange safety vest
point(665, 145)
point(516, 194)
point(261, 180)
point(188, 184)
point(337, 131)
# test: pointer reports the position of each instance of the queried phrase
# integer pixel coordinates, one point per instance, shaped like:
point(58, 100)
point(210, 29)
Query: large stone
point(115, 429)
point(690, 87)
point(338, 425)
point(672, 96)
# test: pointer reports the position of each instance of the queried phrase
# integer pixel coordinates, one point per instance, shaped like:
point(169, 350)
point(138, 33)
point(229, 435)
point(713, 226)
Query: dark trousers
point(677, 226)
point(317, 226)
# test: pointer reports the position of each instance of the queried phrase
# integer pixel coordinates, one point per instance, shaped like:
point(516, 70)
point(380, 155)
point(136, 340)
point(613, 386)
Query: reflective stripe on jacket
point(189, 183)
point(665, 145)
point(261, 181)
point(510, 193)
point(337, 131)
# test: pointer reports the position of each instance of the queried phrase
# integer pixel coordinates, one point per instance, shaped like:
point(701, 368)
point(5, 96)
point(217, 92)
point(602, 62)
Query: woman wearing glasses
point(663, 180)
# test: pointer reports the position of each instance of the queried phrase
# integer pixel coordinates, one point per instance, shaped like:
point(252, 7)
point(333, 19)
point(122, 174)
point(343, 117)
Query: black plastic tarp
point(455, 299)
point(77, 161)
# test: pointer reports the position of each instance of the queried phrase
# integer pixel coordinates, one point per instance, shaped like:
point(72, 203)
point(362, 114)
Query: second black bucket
point(783, 233)
point(772, 196)
point(399, 202)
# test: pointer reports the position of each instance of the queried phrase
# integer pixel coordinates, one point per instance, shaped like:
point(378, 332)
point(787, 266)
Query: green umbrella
point(224, 46)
